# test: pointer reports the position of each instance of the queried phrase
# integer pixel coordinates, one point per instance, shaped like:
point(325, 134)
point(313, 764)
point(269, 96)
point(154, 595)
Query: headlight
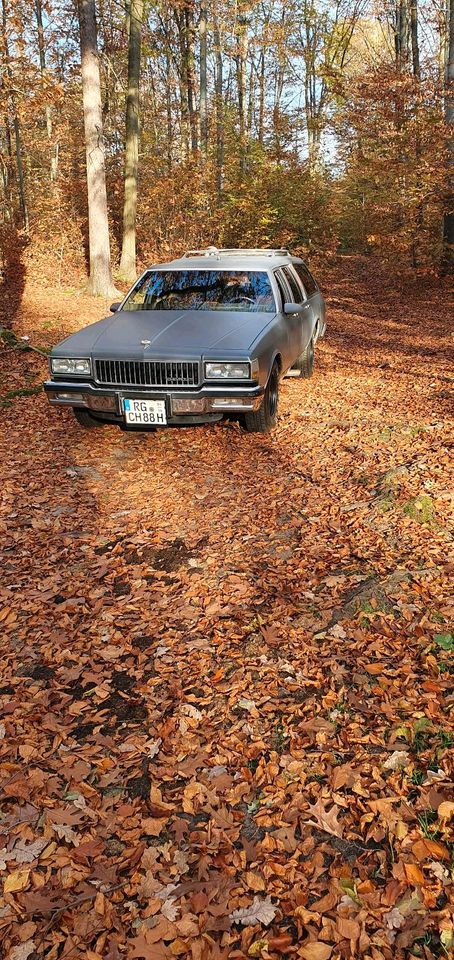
point(227, 371)
point(79, 368)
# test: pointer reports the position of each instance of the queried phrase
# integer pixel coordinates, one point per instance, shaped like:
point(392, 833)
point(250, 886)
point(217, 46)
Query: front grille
point(147, 373)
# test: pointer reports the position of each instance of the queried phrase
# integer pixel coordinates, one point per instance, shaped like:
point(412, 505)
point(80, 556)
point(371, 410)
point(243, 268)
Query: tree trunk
point(448, 220)
point(203, 80)
point(241, 71)
point(100, 279)
point(16, 123)
point(414, 38)
point(191, 78)
point(48, 112)
point(128, 250)
point(261, 122)
point(218, 82)
point(401, 34)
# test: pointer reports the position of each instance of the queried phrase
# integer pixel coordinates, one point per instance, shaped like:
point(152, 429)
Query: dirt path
point(213, 646)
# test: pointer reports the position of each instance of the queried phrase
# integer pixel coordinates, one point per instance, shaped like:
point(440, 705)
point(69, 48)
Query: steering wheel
point(242, 296)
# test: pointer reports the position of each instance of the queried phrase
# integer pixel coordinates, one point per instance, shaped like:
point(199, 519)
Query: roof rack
point(236, 251)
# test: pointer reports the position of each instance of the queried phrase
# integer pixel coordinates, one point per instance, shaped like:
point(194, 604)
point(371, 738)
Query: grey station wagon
point(209, 334)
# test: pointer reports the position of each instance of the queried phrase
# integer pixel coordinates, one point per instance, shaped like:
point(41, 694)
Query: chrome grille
point(147, 373)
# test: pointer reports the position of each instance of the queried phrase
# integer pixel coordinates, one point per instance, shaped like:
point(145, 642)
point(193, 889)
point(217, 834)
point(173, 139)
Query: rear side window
point(297, 293)
point(306, 278)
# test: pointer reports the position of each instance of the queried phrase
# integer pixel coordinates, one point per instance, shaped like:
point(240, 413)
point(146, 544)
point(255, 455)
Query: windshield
point(240, 290)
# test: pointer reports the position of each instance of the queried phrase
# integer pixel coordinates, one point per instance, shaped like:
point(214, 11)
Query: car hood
point(170, 332)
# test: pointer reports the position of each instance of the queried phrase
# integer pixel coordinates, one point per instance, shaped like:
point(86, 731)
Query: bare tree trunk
point(100, 279)
point(203, 79)
point(218, 83)
point(261, 98)
point(191, 77)
point(128, 250)
point(414, 38)
point(448, 220)
point(169, 113)
point(48, 112)
point(16, 123)
point(241, 61)
point(401, 33)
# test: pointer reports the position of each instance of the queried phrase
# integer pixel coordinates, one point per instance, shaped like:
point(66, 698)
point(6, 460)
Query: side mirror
point(114, 307)
point(293, 308)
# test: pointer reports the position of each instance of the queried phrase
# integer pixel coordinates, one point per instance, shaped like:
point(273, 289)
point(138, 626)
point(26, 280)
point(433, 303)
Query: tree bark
point(218, 83)
point(191, 77)
point(128, 250)
point(414, 38)
point(47, 111)
point(203, 80)
point(448, 220)
point(261, 120)
point(100, 280)
point(16, 123)
point(241, 71)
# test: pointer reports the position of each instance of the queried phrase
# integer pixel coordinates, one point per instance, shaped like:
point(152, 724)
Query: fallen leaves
point(224, 723)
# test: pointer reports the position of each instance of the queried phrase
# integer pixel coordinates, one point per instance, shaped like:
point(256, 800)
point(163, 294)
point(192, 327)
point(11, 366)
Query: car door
point(289, 321)
point(314, 298)
point(302, 322)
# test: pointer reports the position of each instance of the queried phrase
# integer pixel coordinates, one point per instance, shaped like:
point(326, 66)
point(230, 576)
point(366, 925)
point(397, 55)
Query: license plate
point(146, 412)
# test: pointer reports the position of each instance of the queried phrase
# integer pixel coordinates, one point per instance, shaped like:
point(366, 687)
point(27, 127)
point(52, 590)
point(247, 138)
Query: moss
point(420, 508)
point(386, 503)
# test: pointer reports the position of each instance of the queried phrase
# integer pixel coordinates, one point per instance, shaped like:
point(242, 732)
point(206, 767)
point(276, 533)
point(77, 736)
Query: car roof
point(230, 259)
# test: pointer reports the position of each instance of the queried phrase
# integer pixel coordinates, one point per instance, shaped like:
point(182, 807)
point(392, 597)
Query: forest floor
point(226, 658)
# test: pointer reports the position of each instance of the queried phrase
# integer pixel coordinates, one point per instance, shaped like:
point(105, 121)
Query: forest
point(320, 125)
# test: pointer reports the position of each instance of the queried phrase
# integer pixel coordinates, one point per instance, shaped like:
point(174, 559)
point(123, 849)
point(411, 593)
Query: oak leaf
point(259, 911)
point(23, 950)
point(325, 819)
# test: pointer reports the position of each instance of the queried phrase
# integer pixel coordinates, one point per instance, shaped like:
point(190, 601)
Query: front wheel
point(264, 419)
point(86, 420)
point(305, 363)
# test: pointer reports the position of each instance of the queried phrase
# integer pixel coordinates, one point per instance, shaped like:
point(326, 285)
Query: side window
point(306, 278)
point(284, 292)
point(297, 293)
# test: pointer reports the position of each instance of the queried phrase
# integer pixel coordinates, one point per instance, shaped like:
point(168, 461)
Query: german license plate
point(145, 412)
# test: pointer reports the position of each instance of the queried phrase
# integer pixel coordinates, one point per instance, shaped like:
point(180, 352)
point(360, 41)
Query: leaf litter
point(225, 687)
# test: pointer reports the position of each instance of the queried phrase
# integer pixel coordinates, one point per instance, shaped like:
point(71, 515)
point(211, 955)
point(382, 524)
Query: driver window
point(297, 293)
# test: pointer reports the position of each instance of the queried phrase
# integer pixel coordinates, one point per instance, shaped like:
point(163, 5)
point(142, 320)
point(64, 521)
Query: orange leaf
point(374, 668)
point(414, 874)
point(429, 848)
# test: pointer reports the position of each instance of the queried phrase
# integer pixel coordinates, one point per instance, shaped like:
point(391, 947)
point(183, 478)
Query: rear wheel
point(264, 419)
point(86, 420)
point(305, 363)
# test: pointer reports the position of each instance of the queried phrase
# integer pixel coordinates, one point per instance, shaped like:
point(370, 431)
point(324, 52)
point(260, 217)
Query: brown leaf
point(327, 820)
point(315, 951)
point(429, 848)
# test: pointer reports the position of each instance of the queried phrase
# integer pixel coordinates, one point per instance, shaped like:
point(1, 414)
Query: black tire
point(264, 419)
point(305, 362)
point(86, 420)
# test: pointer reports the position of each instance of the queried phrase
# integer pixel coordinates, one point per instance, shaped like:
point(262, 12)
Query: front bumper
point(203, 404)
